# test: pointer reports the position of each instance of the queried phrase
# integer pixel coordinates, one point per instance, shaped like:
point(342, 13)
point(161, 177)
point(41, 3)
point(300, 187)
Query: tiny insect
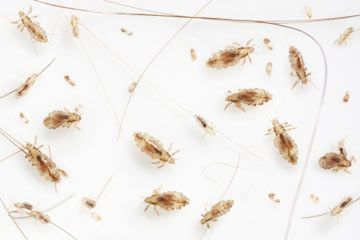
point(273, 197)
point(251, 97)
point(25, 87)
point(308, 12)
point(63, 119)
point(298, 66)
point(166, 200)
point(336, 161)
point(43, 163)
point(209, 128)
point(154, 148)
point(193, 55)
point(284, 142)
point(35, 30)
point(132, 87)
point(26, 210)
point(346, 97)
point(69, 80)
point(338, 209)
point(314, 198)
point(216, 211)
point(126, 31)
point(268, 68)
point(268, 43)
point(344, 37)
point(90, 203)
point(230, 56)
point(22, 116)
point(74, 23)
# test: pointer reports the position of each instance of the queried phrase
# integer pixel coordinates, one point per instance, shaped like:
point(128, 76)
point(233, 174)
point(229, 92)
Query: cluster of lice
point(25, 87)
point(274, 198)
point(43, 163)
point(298, 66)
point(69, 80)
point(154, 148)
point(284, 142)
point(268, 68)
point(344, 37)
point(208, 128)
point(35, 30)
point(126, 31)
point(230, 56)
point(346, 97)
point(193, 55)
point(268, 43)
point(251, 97)
point(219, 209)
point(168, 201)
point(338, 209)
point(336, 161)
point(63, 119)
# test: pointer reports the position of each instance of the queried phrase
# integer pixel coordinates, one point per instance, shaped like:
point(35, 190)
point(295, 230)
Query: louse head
point(150, 200)
point(21, 14)
point(292, 50)
point(229, 203)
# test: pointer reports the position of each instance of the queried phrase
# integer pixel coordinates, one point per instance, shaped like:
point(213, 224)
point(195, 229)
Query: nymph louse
point(62, 119)
point(298, 66)
point(251, 96)
point(336, 161)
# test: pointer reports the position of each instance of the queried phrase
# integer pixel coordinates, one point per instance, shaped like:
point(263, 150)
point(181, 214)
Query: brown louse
point(250, 96)
point(154, 148)
point(168, 201)
point(344, 37)
point(230, 56)
point(44, 164)
point(25, 87)
point(298, 66)
point(35, 30)
point(216, 211)
point(346, 97)
point(274, 198)
point(26, 210)
point(284, 142)
point(208, 128)
point(69, 80)
point(336, 161)
point(74, 23)
point(338, 209)
point(62, 119)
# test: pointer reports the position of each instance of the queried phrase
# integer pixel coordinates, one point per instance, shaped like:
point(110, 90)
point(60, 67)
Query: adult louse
point(251, 96)
point(154, 148)
point(284, 142)
point(336, 161)
point(63, 119)
point(35, 30)
point(230, 56)
point(298, 66)
point(216, 211)
point(43, 163)
point(168, 201)
point(25, 87)
point(338, 209)
point(344, 37)
point(27, 210)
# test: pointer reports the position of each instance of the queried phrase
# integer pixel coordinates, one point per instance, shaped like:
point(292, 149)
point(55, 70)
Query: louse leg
point(238, 104)
point(270, 131)
point(248, 43)
point(156, 162)
point(147, 207)
point(175, 152)
point(227, 105)
point(297, 81)
point(155, 209)
point(161, 165)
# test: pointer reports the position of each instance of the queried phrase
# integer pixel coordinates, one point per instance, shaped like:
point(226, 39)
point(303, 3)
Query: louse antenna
point(47, 66)
point(9, 214)
point(62, 229)
point(103, 188)
point(168, 15)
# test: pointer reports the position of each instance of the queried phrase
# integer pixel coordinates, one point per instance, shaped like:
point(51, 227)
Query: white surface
point(93, 154)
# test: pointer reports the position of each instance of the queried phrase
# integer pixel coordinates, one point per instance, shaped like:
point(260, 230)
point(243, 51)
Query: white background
point(92, 155)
